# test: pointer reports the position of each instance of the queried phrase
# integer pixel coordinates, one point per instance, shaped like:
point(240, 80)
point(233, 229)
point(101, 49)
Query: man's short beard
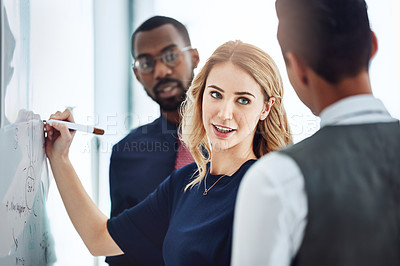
point(172, 104)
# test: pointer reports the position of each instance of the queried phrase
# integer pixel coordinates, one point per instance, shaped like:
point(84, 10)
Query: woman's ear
point(267, 108)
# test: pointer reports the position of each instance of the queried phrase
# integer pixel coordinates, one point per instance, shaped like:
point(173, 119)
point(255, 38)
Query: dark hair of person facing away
point(332, 37)
point(157, 21)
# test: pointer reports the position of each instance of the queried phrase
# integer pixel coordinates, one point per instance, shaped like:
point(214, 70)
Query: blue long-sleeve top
point(186, 226)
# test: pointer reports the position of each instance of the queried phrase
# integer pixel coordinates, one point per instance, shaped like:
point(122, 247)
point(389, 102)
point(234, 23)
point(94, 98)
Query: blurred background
point(79, 57)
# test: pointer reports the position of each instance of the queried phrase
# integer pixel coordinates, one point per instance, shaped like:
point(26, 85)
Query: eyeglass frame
point(135, 64)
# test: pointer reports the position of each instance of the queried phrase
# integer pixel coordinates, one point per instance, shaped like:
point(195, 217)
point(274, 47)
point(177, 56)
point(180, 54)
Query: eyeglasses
point(146, 63)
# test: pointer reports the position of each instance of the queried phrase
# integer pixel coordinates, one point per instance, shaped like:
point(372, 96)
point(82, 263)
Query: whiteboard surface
point(25, 237)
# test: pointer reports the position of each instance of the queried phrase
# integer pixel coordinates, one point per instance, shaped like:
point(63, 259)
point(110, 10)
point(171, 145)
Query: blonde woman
point(233, 115)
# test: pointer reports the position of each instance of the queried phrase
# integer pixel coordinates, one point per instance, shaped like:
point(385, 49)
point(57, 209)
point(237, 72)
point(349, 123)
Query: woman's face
point(233, 103)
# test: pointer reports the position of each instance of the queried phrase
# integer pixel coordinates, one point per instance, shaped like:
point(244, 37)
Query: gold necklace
point(205, 184)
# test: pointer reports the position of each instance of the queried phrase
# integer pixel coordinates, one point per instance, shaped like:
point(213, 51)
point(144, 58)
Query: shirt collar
point(355, 110)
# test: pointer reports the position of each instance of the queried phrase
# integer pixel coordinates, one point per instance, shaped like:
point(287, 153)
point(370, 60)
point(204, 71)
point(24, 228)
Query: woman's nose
point(226, 111)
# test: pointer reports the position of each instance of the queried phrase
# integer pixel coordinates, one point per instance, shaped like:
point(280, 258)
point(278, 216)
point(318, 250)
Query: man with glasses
point(164, 64)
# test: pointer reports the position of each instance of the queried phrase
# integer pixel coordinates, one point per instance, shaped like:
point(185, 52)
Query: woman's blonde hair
point(271, 134)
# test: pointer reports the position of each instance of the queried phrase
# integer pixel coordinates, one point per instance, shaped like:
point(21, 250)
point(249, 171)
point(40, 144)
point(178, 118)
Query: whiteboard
point(24, 179)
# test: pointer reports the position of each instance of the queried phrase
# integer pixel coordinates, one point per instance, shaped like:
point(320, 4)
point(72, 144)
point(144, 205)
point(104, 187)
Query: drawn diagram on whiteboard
point(24, 227)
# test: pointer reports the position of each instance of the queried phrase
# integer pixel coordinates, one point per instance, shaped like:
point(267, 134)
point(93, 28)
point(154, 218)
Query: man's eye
point(170, 57)
point(216, 95)
point(243, 100)
point(145, 63)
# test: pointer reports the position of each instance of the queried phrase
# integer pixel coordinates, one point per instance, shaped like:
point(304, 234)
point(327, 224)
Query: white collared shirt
point(271, 207)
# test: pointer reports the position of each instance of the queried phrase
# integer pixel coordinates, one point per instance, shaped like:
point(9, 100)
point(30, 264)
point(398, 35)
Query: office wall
point(212, 23)
point(62, 75)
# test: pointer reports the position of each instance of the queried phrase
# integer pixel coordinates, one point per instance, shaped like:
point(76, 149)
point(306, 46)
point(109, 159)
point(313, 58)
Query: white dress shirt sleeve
point(270, 213)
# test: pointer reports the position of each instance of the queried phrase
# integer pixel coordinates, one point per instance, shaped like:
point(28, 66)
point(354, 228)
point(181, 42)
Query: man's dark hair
point(332, 36)
point(157, 21)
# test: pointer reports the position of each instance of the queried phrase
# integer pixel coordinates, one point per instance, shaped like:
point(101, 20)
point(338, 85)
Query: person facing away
point(332, 199)
point(233, 114)
point(164, 64)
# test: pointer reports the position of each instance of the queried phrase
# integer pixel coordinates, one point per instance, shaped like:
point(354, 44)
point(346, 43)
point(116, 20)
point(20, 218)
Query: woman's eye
point(216, 95)
point(243, 100)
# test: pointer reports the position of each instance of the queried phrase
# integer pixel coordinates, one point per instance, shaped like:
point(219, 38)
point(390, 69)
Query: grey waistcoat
point(352, 181)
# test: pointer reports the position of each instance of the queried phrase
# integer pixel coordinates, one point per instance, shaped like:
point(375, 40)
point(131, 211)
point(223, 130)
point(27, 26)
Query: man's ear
point(195, 57)
point(374, 46)
point(298, 67)
point(267, 108)
point(137, 74)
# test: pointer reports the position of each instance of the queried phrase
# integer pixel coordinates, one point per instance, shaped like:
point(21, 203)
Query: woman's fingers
point(66, 115)
point(59, 137)
point(63, 116)
point(64, 131)
point(49, 131)
point(56, 115)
